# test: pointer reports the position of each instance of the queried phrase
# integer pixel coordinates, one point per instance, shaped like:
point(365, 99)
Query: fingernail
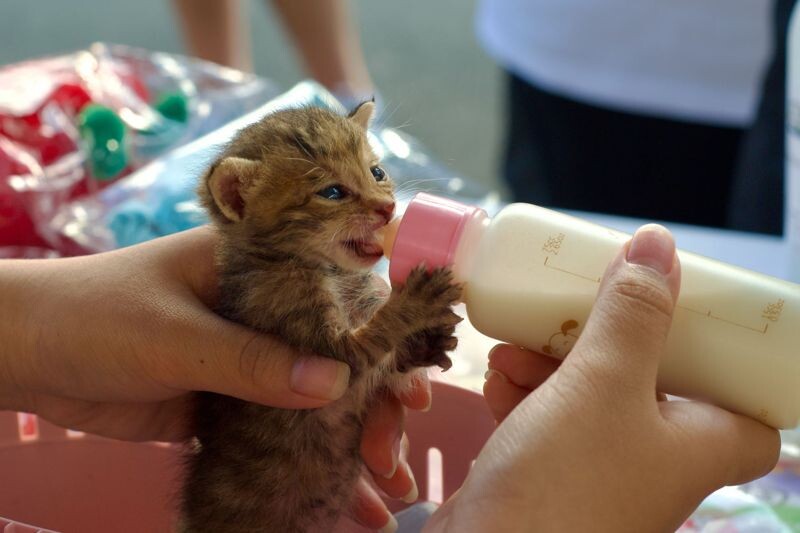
point(413, 494)
point(395, 455)
point(319, 377)
point(492, 372)
point(390, 527)
point(430, 398)
point(652, 246)
point(494, 349)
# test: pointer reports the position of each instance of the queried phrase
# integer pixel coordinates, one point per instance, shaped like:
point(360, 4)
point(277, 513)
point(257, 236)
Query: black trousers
point(565, 154)
point(757, 198)
point(562, 153)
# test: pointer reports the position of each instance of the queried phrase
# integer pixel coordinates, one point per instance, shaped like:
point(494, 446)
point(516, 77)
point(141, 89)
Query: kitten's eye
point(378, 172)
point(334, 192)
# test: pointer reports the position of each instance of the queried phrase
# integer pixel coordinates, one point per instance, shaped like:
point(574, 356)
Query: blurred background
point(662, 111)
point(423, 56)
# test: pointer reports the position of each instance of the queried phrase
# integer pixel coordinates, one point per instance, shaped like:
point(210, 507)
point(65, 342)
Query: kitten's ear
point(363, 113)
point(228, 185)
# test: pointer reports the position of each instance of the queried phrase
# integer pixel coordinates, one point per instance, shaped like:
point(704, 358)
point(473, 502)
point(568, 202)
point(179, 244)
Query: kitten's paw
point(427, 348)
point(427, 299)
point(436, 287)
point(432, 323)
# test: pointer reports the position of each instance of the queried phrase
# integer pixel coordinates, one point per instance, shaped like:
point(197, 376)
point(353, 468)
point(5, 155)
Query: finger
point(501, 395)
point(213, 354)
point(628, 325)
point(522, 367)
point(402, 484)
point(369, 510)
point(417, 395)
point(197, 269)
point(166, 421)
point(380, 441)
point(723, 448)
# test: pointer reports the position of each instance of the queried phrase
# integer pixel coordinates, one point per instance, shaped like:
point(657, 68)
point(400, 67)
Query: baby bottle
point(531, 276)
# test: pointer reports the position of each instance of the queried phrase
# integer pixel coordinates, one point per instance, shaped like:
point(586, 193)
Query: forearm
point(213, 30)
point(19, 298)
point(328, 42)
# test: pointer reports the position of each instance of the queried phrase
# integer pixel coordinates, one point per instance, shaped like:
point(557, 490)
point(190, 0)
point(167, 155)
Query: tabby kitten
point(297, 199)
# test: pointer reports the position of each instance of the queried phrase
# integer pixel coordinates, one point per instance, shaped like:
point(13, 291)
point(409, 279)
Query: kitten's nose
point(386, 211)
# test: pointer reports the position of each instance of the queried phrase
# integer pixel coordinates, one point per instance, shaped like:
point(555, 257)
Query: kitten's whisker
point(384, 118)
point(315, 169)
point(422, 180)
point(405, 124)
point(407, 189)
point(303, 148)
point(298, 159)
point(335, 234)
point(416, 185)
point(409, 193)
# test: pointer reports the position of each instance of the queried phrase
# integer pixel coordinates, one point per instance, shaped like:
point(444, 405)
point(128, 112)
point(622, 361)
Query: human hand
point(589, 445)
point(384, 448)
point(115, 343)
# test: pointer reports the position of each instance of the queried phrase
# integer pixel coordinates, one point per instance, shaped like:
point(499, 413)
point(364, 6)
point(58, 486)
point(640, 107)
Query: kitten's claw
point(443, 361)
point(449, 319)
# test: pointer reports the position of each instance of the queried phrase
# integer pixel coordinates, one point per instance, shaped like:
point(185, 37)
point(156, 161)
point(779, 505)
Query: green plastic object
point(104, 132)
point(174, 106)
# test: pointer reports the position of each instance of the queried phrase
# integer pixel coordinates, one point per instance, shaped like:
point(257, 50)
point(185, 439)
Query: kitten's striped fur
point(284, 270)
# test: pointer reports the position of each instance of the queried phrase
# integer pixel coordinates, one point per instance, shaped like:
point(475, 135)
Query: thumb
point(230, 359)
point(626, 331)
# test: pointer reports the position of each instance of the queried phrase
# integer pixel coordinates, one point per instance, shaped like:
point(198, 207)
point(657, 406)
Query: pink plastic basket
point(76, 483)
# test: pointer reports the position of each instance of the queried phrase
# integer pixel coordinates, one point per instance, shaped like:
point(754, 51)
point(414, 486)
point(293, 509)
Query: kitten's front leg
point(432, 326)
point(416, 324)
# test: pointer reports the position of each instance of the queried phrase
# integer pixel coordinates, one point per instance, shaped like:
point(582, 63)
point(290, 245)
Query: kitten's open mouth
point(368, 250)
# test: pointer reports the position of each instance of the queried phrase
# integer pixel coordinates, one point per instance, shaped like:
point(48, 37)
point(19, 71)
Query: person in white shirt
point(636, 109)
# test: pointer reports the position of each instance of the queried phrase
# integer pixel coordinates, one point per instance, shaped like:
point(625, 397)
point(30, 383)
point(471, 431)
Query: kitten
point(297, 199)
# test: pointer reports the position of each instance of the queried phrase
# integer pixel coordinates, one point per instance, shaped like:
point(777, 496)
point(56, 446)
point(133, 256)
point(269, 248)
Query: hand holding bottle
point(531, 276)
point(590, 447)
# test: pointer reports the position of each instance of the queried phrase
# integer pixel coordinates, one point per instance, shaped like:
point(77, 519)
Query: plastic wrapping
point(780, 489)
point(72, 123)
point(159, 198)
point(770, 504)
point(731, 510)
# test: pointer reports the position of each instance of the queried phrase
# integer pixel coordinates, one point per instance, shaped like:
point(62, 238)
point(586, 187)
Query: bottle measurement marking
point(546, 259)
point(771, 312)
point(708, 314)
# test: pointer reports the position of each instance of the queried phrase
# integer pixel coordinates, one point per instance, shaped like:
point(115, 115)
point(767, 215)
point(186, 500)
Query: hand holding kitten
point(114, 344)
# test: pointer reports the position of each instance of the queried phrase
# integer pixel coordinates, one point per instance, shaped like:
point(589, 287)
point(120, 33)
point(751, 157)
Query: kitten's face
point(354, 205)
point(306, 182)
